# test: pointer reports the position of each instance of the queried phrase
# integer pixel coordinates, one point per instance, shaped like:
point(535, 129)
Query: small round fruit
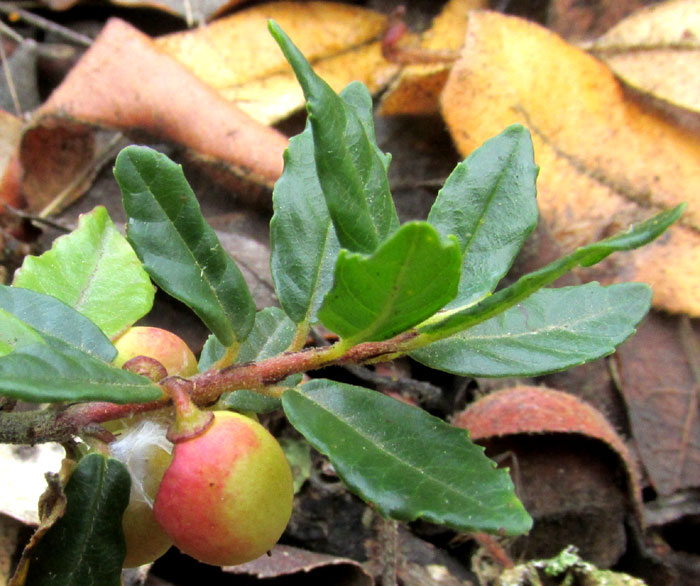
point(145, 451)
point(167, 348)
point(227, 496)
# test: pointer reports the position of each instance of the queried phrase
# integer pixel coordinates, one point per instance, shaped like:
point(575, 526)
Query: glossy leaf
point(412, 275)
point(407, 463)
point(489, 204)
point(43, 374)
point(95, 271)
point(634, 237)
point(178, 248)
point(14, 333)
point(52, 319)
point(351, 169)
point(86, 546)
point(304, 245)
point(551, 330)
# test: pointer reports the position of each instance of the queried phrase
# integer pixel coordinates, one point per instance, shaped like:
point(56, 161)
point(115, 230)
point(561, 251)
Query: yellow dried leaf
point(605, 162)
point(417, 89)
point(657, 50)
point(238, 57)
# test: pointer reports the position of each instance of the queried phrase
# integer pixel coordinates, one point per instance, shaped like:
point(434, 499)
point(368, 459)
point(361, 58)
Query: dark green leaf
point(410, 277)
point(488, 203)
point(178, 248)
point(406, 462)
point(44, 374)
point(86, 546)
point(636, 236)
point(351, 168)
point(53, 319)
point(95, 271)
point(551, 330)
point(302, 237)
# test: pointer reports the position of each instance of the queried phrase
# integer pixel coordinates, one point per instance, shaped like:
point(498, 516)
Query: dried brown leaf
point(285, 560)
point(659, 372)
point(604, 161)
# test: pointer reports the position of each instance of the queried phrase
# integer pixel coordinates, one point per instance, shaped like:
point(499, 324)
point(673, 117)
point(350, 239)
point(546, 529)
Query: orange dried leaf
point(237, 56)
point(657, 51)
point(123, 82)
point(605, 162)
point(417, 89)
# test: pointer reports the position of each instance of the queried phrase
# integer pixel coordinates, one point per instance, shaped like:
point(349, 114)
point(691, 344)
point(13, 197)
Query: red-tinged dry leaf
point(567, 482)
point(124, 82)
point(659, 372)
point(10, 135)
point(538, 410)
point(417, 88)
point(237, 56)
point(657, 51)
point(604, 161)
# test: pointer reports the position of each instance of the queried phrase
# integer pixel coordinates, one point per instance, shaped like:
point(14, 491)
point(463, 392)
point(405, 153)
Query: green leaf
point(643, 233)
point(406, 462)
point(95, 271)
point(488, 203)
point(86, 547)
point(551, 330)
point(43, 374)
point(244, 400)
point(303, 242)
point(54, 320)
point(14, 333)
point(410, 277)
point(178, 248)
point(351, 169)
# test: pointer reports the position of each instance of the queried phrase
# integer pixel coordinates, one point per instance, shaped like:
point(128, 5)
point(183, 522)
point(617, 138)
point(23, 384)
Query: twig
point(10, 81)
point(389, 538)
point(46, 24)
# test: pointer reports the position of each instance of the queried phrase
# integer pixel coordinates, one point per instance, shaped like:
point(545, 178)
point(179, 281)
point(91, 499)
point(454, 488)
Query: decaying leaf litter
point(609, 151)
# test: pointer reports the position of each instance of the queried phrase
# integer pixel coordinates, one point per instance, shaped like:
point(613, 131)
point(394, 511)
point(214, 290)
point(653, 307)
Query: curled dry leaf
point(517, 425)
point(659, 373)
point(538, 410)
point(237, 56)
point(604, 162)
point(124, 82)
point(657, 50)
point(417, 88)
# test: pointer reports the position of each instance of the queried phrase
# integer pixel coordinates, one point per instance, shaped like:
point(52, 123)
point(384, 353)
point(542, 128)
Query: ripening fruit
point(167, 348)
point(145, 451)
point(227, 496)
